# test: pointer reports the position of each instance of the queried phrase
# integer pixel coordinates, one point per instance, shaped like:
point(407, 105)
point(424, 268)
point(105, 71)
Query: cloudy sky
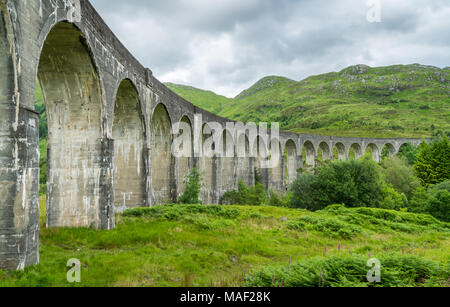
point(227, 45)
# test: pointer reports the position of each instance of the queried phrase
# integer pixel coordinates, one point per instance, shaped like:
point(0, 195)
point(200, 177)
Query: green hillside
point(204, 99)
point(395, 101)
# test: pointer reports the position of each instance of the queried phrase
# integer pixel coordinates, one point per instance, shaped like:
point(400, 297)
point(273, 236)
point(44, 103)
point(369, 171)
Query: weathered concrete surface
point(185, 162)
point(129, 148)
point(110, 132)
point(162, 172)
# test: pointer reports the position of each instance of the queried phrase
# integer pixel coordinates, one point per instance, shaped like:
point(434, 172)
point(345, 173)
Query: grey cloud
point(226, 45)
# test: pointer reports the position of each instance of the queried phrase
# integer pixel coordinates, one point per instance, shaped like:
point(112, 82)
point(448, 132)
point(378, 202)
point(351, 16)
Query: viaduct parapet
point(110, 130)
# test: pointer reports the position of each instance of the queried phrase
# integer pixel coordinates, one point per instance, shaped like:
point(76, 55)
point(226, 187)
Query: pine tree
point(433, 162)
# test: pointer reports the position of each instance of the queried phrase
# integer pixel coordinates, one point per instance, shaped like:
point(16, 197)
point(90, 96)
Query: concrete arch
point(375, 151)
point(341, 151)
point(163, 168)
point(185, 161)
point(327, 153)
point(388, 149)
point(291, 162)
point(309, 155)
point(357, 149)
point(129, 149)
point(75, 128)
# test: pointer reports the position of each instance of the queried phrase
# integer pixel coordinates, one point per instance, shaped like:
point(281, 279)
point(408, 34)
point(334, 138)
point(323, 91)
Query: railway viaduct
point(110, 130)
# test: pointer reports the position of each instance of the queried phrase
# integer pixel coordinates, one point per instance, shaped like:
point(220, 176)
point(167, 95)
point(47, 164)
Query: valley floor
point(179, 245)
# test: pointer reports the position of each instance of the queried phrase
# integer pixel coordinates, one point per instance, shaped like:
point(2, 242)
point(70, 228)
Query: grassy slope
point(204, 245)
point(204, 99)
point(392, 101)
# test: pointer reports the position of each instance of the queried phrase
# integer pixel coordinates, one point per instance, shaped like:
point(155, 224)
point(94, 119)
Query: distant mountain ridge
point(393, 101)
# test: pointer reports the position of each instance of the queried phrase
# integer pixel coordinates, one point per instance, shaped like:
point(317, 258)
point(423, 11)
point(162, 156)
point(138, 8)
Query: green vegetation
point(351, 271)
point(40, 108)
point(399, 175)
point(204, 99)
point(354, 183)
point(194, 245)
point(193, 184)
point(392, 184)
point(394, 101)
point(433, 162)
point(253, 196)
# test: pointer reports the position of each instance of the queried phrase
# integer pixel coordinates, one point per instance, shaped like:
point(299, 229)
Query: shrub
point(392, 199)
point(328, 226)
point(354, 183)
point(345, 271)
point(439, 201)
point(303, 193)
point(253, 196)
point(277, 200)
point(419, 201)
point(434, 201)
point(193, 184)
point(176, 212)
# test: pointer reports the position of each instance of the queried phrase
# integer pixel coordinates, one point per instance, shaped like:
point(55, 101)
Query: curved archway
point(375, 152)
point(73, 99)
point(163, 183)
point(341, 152)
point(129, 142)
point(326, 151)
point(290, 153)
point(355, 151)
point(309, 155)
point(186, 158)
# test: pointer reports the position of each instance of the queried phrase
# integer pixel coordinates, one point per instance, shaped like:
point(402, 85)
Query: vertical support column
point(19, 192)
point(173, 178)
point(19, 160)
point(251, 162)
point(300, 161)
point(148, 179)
point(107, 217)
point(283, 184)
point(148, 175)
point(218, 180)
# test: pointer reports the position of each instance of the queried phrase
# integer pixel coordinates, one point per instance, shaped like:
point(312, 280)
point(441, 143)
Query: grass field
point(177, 245)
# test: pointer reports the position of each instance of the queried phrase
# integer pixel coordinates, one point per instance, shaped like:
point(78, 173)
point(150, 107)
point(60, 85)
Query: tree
point(400, 175)
point(409, 152)
point(353, 183)
point(303, 193)
point(193, 184)
point(439, 201)
point(433, 162)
